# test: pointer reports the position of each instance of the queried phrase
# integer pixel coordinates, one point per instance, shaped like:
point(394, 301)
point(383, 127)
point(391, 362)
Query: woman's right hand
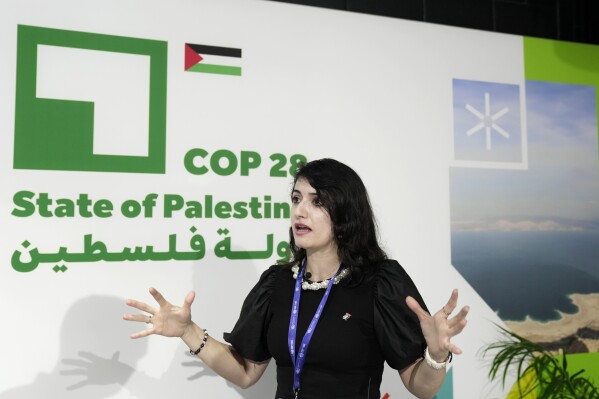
point(167, 320)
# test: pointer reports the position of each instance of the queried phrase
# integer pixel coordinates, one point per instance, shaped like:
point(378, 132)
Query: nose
point(300, 209)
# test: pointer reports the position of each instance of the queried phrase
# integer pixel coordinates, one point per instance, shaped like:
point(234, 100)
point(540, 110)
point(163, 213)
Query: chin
point(299, 244)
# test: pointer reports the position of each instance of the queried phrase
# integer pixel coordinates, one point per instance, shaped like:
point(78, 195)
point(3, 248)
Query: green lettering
point(282, 210)
point(249, 160)
point(208, 206)
point(172, 202)
point(255, 208)
point(223, 170)
point(23, 205)
point(193, 210)
point(241, 211)
point(103, 208)
point(188, 161)
point(64, 208)
point(43, 203)
point(222, 210)
point(131, 208)
point(83, 203)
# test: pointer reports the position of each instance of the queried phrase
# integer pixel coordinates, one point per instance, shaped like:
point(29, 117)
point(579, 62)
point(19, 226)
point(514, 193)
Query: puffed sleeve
point(397, 327)
point(249, 334)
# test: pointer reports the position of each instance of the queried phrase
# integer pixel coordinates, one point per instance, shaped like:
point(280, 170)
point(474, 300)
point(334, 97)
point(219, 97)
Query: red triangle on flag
point(191, 57)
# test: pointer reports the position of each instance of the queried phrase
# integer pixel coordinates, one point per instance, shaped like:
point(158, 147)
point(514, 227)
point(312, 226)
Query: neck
point(322, 265)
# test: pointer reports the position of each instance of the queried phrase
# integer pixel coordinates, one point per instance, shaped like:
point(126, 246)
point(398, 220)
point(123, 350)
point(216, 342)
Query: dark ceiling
point(571, 20)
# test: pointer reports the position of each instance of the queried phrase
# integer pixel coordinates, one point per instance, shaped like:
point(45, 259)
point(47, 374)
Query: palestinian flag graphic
point(212, 59)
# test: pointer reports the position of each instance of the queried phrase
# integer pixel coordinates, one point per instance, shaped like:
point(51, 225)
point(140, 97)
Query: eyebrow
point(299, 192)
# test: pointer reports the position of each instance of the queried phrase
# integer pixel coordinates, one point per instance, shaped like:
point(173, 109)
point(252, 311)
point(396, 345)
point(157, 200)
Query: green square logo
point(89, 102)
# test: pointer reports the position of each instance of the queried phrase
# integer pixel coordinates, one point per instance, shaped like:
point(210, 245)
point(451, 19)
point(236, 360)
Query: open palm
point(167, 319)
point(439, 329)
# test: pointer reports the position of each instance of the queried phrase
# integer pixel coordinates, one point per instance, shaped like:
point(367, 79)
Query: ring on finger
point(149, 319)
point(445, 312)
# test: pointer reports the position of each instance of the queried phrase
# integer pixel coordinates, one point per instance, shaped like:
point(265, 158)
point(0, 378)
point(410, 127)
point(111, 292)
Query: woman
point(334, 314)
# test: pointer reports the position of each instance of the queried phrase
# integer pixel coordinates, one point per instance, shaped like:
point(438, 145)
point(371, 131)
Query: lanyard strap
point(299, 359)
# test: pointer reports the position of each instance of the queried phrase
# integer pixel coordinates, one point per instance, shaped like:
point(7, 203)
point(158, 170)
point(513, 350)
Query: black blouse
point(361, 327)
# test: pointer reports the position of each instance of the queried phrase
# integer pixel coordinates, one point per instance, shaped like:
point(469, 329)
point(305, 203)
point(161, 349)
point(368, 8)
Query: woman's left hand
point(439, 329)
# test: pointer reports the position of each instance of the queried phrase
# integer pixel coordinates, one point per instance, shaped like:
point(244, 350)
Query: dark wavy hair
point(345, 198)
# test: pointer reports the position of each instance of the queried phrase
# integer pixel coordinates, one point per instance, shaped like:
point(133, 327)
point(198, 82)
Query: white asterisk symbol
point(487, 121)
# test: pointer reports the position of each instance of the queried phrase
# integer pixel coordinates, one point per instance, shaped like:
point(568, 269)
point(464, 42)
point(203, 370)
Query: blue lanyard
point(299, 359)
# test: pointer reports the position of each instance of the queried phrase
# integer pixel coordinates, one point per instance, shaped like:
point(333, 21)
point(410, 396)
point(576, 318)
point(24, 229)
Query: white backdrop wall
point(373, 92)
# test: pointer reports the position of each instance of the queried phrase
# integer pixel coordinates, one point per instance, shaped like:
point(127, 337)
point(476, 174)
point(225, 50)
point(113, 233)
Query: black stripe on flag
point(214, 50)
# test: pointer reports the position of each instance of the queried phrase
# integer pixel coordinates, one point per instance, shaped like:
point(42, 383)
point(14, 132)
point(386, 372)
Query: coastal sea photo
point(525, 227)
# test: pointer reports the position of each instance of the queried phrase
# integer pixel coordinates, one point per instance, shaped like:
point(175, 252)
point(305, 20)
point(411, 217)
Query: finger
point(460, 316)
point(140, 305)
point(195, 363)
point(189, 300)
point(442, 313)
point(78, 385)
point(457, 328)
point(74, 372)
point(141, 318)
point(158, 297)
point(143, 333)
point(454, 349)
point(76, 363)
point(416, 308)
point(194, 377)
point(463, 312)
point(451, 303)
point(90, 356)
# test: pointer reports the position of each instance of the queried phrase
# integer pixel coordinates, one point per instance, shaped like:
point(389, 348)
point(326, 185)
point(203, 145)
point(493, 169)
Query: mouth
point(300, 228)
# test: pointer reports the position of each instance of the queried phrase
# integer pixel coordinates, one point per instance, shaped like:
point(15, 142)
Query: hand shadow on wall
point(96, 356)
point(186, 377)
point(98, 359)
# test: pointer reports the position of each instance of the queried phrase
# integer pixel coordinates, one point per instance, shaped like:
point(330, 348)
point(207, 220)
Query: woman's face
point(310, 221)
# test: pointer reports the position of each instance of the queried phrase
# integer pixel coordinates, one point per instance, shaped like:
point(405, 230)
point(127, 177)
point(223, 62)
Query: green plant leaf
point(552, 379)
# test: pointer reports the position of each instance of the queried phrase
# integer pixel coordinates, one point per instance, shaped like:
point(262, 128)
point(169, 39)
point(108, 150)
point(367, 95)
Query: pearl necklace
point(306, 285)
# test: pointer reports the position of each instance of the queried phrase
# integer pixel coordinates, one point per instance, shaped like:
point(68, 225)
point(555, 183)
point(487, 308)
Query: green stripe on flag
point(218, 69)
